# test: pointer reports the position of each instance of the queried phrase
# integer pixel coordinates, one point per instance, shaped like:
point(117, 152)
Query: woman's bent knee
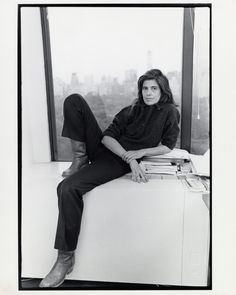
point(72, 100)
point(68, 190)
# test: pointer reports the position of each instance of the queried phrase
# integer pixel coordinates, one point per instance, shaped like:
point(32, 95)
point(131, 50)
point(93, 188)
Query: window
point(200, 103)
point(100, 52)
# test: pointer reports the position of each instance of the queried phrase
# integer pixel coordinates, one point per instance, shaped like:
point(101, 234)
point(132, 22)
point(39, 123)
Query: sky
point(108, 41)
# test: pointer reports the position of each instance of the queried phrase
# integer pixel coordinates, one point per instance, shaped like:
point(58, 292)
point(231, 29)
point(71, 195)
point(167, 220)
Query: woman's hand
point(138, 174)
point(132, 155)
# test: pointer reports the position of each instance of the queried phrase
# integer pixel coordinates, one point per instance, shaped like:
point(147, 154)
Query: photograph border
point(19, 130)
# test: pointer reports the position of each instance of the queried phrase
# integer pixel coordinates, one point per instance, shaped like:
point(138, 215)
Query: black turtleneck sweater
point(141, 126)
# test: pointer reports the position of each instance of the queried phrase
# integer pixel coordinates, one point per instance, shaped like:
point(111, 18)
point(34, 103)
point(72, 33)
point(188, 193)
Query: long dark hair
point(162, 81)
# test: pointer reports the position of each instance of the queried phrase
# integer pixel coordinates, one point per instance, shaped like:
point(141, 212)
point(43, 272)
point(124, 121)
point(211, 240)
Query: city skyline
point(109, 85)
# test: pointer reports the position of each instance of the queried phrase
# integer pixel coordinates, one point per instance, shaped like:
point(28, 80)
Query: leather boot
point(63, 266)
point(80, 157)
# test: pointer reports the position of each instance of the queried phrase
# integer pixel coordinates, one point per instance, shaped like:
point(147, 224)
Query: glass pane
point(96, 54)
point(200, 107)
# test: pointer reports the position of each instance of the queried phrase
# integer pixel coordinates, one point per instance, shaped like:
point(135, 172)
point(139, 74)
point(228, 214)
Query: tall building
point(89, 85)
point(74, 82)
point(130, 82)
point(105, 86)
point(76, 86)
point(174, 78)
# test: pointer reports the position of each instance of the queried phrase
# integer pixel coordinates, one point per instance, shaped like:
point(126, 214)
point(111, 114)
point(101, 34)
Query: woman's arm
point(168, 141)
point(113, 145)
point(158, 150)
point(155, 151)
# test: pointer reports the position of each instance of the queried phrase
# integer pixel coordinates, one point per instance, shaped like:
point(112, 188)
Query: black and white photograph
point(118, 151)
point(115, 147)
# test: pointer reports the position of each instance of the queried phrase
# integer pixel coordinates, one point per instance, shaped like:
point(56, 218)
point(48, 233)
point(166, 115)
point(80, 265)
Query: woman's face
point(151, 92)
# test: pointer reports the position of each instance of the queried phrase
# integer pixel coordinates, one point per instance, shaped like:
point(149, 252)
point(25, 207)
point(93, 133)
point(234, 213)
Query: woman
point(148, 127)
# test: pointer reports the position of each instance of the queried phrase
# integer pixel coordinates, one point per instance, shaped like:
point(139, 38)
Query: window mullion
point(187, 78)
point(49, 83)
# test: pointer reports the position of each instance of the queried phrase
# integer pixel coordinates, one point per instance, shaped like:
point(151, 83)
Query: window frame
point(49, 83)
point(187, 75)
point(187, 79)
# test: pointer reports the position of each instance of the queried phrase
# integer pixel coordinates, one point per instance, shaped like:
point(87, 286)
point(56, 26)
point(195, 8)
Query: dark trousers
point(81, 125)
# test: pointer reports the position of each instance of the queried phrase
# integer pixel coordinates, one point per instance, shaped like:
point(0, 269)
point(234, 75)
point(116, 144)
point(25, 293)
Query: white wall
point(35, 131)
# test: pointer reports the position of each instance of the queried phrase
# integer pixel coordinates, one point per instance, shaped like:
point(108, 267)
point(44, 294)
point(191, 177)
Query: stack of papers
point(174, 155)
point(170, 163)
point(177, 162)
point(159, 168)
point(201, 164)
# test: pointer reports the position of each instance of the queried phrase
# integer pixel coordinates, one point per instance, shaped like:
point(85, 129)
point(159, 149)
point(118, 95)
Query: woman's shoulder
point(125, 109)
point(124, 112)
point(171, 109)
point(131, 107)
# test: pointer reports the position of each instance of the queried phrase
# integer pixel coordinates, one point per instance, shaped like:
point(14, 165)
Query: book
point(155, 168)
point(175, 154)
point(164, 163)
